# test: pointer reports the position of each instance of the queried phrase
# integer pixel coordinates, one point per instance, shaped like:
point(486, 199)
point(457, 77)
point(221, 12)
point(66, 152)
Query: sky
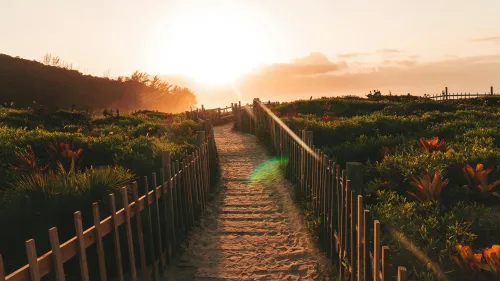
point(241, 43)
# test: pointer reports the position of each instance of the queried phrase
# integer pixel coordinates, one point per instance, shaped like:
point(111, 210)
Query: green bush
point(34, 203)
point(385, 135)
point(114, 151)
point(434, 231)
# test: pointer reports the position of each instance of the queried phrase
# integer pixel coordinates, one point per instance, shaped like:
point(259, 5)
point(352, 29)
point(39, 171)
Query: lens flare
point(268, 172)
point(288, 130)
point(412, 248)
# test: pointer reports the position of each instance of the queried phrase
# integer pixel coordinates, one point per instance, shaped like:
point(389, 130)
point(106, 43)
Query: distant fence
point(348, 234)
point(217, 116)
point(454, 96)
point(161, 219)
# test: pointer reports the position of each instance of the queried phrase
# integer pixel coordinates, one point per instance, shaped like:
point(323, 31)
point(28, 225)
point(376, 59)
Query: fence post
point(239, 115)
point(200, 138)
point(446, 92)
point(166, 167)
point(2, 270)
point(33, 262)
point(157, 224)
point(81, 250)
point(149, 231)
point(140, 235)
point(54, 240)
point(377, 255)
point(57, 257)
point(360, 238)
point(354, 173)
point(309, 137)
point(491, 90)
point(385, 264)
point(402, 274)
point(130, 241)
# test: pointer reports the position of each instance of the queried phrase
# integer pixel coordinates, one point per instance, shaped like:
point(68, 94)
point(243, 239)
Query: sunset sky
point(319, 42)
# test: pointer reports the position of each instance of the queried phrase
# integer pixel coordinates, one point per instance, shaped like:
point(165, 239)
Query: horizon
point(227, 51)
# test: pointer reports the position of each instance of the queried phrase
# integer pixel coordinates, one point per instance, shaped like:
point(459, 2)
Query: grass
point(53, 163)
point(389, 137)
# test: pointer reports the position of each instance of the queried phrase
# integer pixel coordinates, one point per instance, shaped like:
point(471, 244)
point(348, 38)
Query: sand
point(251, 229)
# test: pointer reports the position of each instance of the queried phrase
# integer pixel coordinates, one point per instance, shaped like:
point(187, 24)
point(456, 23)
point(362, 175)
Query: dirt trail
point(251, 230)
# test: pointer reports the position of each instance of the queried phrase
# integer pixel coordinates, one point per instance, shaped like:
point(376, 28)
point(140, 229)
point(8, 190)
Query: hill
point(26, 82)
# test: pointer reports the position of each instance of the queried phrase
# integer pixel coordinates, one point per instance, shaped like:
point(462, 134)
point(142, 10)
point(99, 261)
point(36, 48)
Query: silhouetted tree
point(155, 82)
point(376, 94)
point(141, 77)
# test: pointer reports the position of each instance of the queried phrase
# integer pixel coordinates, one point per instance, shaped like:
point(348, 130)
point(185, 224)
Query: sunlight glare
point(215, 47)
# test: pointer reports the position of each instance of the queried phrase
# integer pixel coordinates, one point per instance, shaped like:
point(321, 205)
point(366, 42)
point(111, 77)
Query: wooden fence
point(454, 96)
point(216, 116)
point(348, 233)
point(160, 220)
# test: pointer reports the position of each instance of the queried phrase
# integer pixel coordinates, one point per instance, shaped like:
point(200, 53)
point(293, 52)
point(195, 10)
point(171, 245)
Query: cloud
point(388, 51)
point(312, 58)
point(472, 74)
point(404, 63)
point(316, 76)
point(494, 39)
point(313, 64)
point(351, 55)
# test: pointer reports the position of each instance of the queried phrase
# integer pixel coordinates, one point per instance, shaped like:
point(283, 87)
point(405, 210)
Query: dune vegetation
point(431, 174)
point(56, 162)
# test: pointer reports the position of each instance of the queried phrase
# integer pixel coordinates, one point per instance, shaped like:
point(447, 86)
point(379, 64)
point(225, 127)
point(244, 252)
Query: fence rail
point(216, 116)
point(454, 96)
point(161, 219)
point(348, 233)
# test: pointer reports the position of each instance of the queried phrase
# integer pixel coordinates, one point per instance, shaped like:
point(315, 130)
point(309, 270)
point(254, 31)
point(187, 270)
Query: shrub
point(398, 140)
point(478, 180)
point(433, 230)
point(432, 144)
point(427, 189)
point(33, 203)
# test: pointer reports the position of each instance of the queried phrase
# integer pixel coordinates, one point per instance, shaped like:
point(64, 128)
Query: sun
point(214, 47)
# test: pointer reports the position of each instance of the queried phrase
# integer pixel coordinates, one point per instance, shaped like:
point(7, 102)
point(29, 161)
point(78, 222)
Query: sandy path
point(251, 229)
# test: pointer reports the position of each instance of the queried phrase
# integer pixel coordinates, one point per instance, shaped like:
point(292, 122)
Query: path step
point(243, 193)
point(244, 205)
point(236, 231)
point(254, 224)
point(249, 210)
point(249, 232)
point(245, 217)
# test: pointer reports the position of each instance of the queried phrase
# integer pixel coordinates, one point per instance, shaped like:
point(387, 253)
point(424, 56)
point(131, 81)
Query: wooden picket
point(164, 209)
point(445, 95)
point(348, 234)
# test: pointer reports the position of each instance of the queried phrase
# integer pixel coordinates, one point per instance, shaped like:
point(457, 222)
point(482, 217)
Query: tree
point(376, 94)
point(141, 77)
point(105, 74)
point(56, 61)
point(47, 59)
point(155, 82)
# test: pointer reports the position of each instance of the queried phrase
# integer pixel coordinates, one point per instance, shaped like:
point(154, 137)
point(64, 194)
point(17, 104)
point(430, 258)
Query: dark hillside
point(25, 82)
